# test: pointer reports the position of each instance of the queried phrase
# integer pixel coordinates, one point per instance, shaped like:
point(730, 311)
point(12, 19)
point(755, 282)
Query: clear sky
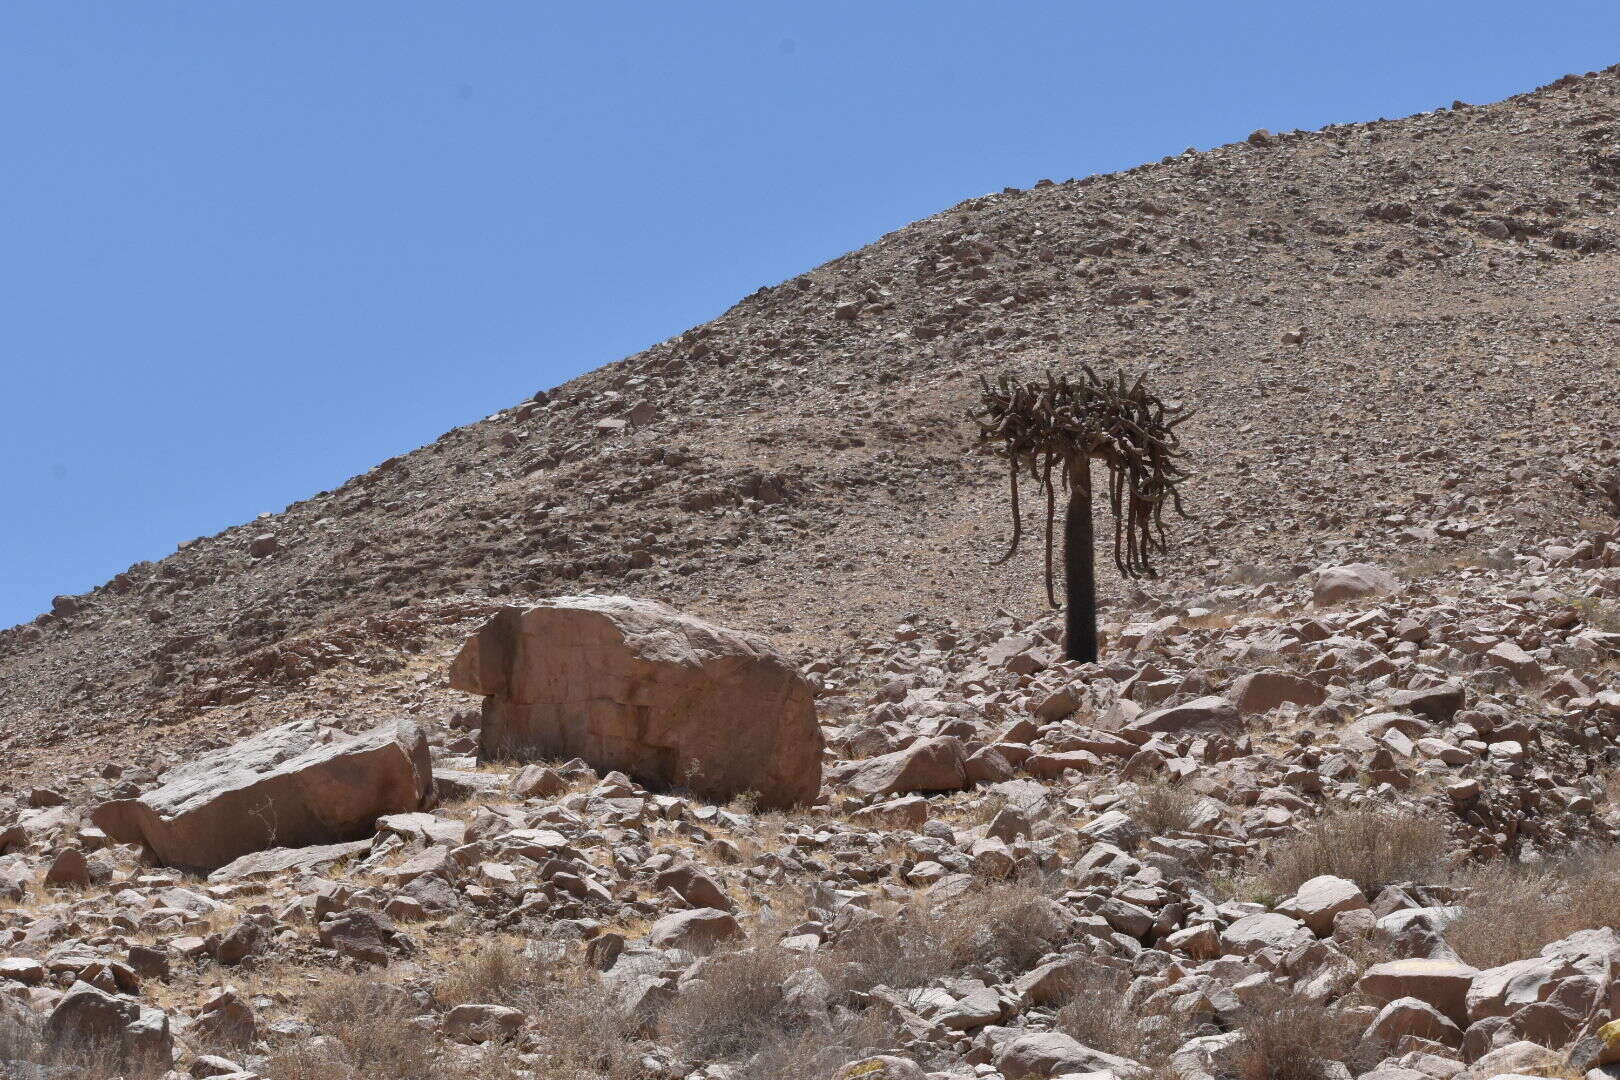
point(248, 250)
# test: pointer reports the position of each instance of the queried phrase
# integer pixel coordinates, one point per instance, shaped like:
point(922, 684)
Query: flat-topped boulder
point(292, 786)
point(635, 686)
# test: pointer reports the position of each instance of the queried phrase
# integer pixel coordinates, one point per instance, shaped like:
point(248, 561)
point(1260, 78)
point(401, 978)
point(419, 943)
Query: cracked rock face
point(635, 686)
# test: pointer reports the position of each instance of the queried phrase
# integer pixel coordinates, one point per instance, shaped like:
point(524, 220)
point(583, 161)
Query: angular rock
point(1210, 715)
point(635, 686)
point(292, 786)
point(368, 936)
point(1441, 983)
point(1352, 581)
point(1262, 691)
point(928, 765)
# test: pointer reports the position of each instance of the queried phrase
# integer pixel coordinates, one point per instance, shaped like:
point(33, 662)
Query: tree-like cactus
point(1052, 430)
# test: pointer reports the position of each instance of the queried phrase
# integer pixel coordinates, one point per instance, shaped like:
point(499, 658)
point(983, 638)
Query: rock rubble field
point(1352, 825)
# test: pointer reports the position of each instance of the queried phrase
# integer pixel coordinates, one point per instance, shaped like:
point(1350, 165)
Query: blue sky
point(248, 250)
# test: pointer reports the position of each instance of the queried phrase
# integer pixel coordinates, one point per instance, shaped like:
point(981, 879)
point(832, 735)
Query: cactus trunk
point(1079, 567)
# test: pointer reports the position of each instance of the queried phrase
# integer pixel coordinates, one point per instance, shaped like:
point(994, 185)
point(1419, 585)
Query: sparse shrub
point(737, 1004)
point(495, 973)
point(1161, 808)
point(820, 1053)
point(371, 1022)
point(1298, 1041)
point(1598, 614)
point(580, 1032)
point(1011, 923)
point(1098, 1015)
point(1370, 848)
point(1511, 912)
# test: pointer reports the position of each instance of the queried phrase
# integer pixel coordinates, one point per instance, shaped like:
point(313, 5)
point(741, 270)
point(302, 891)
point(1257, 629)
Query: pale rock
point(291, 786)
point(1353, 581)
point(1321, 899)
point(1265, 931)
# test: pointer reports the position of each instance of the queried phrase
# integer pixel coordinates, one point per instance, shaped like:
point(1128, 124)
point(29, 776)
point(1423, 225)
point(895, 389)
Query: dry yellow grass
point(1370, 848)
point(1298, 1041)
point(1510, 913)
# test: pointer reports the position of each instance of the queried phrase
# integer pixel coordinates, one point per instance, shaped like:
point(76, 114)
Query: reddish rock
point(635, 686)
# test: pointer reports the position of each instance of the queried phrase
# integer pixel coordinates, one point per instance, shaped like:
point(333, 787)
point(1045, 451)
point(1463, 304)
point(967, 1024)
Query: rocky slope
point(1312, 830)
point(1382, 326)
point(1296, 822)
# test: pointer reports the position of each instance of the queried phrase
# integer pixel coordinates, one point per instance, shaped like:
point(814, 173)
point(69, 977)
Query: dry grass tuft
point(819, 1053)
point(1011, 923)
point(1161, 808)
point(738, 1004)
point(1097, 1015)
point(580, 1032)
point(370, 1023)
point(1598, 614)
point(1511, 912)
point(1370, 848)
point(1298, 1041)
point(495, 973)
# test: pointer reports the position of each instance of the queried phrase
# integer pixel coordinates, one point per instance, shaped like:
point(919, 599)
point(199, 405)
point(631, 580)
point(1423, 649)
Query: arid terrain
point(1338, 800)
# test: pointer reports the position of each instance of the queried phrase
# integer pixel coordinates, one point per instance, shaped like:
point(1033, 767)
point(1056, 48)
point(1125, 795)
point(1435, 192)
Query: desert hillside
point(1339, 799)
point(1398, 336)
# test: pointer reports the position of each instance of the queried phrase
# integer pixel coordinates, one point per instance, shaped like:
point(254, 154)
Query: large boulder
point(635, 686)
point(291, 786)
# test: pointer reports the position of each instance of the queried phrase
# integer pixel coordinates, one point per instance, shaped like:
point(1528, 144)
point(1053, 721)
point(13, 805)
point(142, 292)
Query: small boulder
point(1051, 1053)
point(1353, 581)
point(936, 764)
point(1262, 691)
point(698, 930)
point(482, 1023)
point(881, 1067)
point(1410, 1017)
point(290, 786)
point(1320, 900)
point(1212, 715)
point(1266, 930)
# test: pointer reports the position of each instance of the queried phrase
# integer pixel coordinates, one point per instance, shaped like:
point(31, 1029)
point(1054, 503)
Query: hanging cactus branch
point(1053, 429)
